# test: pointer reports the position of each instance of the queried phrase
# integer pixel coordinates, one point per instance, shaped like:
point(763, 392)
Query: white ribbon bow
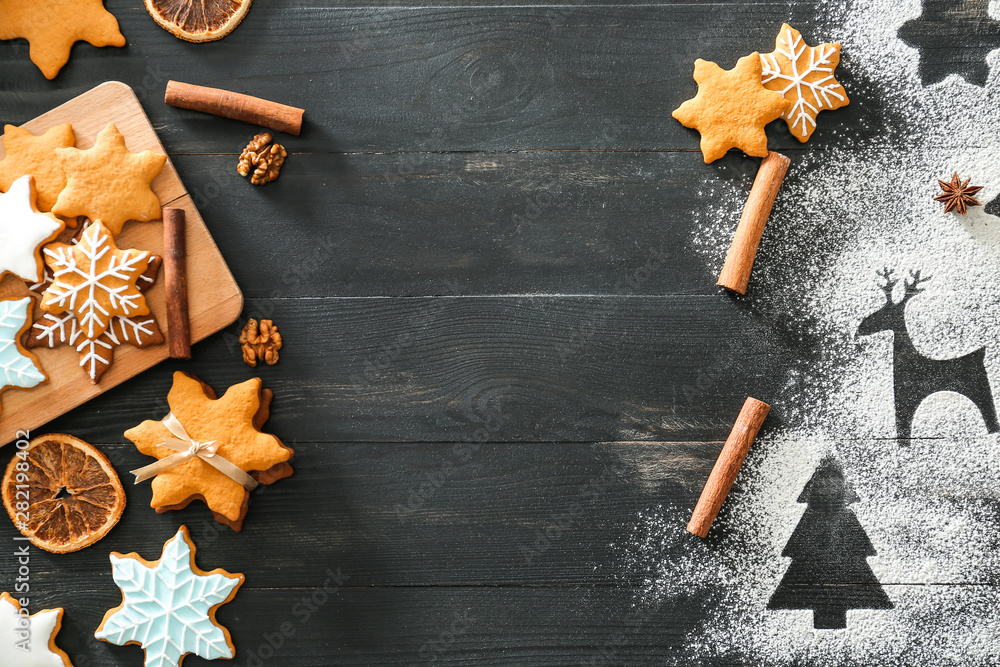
point(188, 448)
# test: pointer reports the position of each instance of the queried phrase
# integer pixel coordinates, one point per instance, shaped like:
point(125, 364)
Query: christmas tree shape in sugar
point(829, 550)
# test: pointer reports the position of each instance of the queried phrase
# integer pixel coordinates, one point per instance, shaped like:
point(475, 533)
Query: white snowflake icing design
point(84, 298)
point(823, 91)
point(16, 370)
point(95, 354)
point(166, 607)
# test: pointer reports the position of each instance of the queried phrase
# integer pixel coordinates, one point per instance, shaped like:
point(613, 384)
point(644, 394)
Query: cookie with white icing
point(24, 230)
point(30, 641)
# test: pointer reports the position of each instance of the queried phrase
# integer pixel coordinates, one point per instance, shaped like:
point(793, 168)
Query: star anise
point(958, 194)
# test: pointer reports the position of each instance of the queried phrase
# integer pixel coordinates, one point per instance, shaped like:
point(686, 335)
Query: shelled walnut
point(261, 160)
point(260, 342)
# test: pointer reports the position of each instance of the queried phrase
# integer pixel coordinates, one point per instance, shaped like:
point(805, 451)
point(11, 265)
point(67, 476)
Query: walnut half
point(260, 342)
point(261, 160)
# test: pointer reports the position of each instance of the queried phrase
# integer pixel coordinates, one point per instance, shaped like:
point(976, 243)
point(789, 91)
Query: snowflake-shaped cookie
point(95, 280)
point(34, 645)
point(97, 354)
point(168, 606)
point(18, 367)
point(23, 231)
point(804, 75)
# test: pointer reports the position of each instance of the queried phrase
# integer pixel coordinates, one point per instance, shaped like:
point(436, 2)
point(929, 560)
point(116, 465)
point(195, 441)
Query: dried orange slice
point(198, 20)
point(61, 493)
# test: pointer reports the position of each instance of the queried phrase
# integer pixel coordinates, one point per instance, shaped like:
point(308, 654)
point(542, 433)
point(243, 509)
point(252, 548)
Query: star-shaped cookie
point(23, 232)
point(731, 108)
point(233, 422)
point(95, 280)
point(96, 354)
point(953, 37)
point(33, 645)
point(109, 183)
point(53, 26)
point(168, 606)
point(26, 153)
point(804, 75)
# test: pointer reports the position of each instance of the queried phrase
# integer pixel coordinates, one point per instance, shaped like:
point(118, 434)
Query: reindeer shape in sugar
point(915, 376)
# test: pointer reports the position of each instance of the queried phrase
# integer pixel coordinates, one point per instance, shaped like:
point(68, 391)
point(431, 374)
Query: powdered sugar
point(930, 508)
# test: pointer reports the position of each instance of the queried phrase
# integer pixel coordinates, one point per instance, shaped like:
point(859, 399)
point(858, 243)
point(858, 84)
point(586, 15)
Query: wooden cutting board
point(215, 300)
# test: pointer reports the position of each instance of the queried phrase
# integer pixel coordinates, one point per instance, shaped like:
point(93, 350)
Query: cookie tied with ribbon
point(211, 448)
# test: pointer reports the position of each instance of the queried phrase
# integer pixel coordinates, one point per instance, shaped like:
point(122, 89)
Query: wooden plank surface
point(480, 256)
point(214, 297)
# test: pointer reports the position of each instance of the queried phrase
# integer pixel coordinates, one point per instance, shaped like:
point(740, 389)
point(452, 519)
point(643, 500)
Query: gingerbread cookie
point(804, 75)
point(731, 108)
point(26, 153)
point(108, 183)
point(19, 368)
point(211, 448)
point(95, 280)
point(30, 641)
point(24, 231)
point(168, 605)
point(53, 26)
point(96, 354)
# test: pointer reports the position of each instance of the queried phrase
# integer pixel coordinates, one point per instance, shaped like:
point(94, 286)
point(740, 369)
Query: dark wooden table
point(479, 255)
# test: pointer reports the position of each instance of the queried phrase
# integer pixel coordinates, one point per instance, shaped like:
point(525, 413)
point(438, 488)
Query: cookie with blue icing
point(168, 606)
point(19, 368)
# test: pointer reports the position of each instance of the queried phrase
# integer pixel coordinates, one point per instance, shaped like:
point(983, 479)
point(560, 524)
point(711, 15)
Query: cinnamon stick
point(235, 105)
point(736, 271)
point(728, 465)
point(175, 280)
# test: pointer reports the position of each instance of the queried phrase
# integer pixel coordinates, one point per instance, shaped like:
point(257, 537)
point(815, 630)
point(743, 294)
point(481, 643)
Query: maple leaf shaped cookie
point(95, 280)
point(23, 232)
point(804, 75)
point(731, 108)
point(168, 606)
point(33, 645)
point(106, 182)
point(25, 153)
point(53, 26)
point(232, 422)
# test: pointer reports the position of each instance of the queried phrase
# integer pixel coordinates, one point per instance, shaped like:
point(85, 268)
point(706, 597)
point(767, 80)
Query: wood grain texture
point(480, 256)
point(499, 369)
point(457, 224)
point(416, 79)
point(215, 297)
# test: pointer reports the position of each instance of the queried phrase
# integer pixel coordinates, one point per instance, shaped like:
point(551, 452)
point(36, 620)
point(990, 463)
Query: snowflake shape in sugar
point(95, 280)
point(17, 369)
point(953, 37)
point(804, 75)
point(34, 645)
point(168, 606)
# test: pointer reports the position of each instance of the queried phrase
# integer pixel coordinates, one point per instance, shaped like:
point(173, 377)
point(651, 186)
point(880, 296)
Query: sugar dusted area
point(930, 509)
